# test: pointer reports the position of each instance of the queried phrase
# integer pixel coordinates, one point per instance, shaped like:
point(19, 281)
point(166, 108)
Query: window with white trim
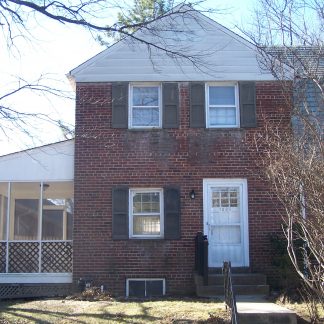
point(222, 105)
point(146, 213)
point(145, 287)
point(145, 106)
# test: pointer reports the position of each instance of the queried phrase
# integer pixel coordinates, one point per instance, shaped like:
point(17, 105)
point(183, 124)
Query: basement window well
point(145, 287)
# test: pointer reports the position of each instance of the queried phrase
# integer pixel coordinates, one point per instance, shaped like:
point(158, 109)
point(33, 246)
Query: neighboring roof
point(305, 60)
point(48, 162)
point(218, 54)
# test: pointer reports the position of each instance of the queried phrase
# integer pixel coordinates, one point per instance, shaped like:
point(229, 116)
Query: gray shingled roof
point(304, 59)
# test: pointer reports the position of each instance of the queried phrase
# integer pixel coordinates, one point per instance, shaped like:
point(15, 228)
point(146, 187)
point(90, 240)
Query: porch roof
point(53, 162)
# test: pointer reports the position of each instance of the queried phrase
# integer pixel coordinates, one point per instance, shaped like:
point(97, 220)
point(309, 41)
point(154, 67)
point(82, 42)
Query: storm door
point(225, 221)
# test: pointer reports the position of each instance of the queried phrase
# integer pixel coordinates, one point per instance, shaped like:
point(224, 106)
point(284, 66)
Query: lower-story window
point(145, 287)
point(146, 213)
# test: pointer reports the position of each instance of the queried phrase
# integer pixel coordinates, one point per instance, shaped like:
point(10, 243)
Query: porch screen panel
point(26, 219)
point(24, 211)
point(57, 211)
point(38, 237)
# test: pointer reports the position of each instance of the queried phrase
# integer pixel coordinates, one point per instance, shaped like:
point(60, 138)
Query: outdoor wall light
point(192, 194)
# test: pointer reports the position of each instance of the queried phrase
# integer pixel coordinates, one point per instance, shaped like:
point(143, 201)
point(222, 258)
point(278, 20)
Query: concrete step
point(218, 290)
point(264, 313)
point(234, 270)
point(238, 279)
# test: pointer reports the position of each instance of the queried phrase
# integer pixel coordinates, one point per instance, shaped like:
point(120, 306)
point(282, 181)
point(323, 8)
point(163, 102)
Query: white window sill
point(146, 237)
point(139, 128)
point(223, 126)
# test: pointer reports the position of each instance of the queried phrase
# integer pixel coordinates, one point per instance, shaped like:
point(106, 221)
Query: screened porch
point(36, 220)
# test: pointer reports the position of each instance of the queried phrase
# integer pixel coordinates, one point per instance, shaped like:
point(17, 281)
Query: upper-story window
point(145, 106)
point(222, 105)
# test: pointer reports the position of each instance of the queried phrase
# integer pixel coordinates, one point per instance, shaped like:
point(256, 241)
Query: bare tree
point(16, 15)
point(289, 38)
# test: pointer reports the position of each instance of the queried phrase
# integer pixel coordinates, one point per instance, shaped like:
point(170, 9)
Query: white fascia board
point(114, 47)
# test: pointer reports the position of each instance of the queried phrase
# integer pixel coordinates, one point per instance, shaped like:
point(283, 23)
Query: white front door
point(226, 221)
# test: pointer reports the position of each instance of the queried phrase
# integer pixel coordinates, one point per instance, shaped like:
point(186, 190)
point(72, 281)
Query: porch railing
point(230, 300)
point(201, 256)
point(36, 257)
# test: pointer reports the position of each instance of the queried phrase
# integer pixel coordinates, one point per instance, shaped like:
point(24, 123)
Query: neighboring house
point(163, 149)
point(307, 68)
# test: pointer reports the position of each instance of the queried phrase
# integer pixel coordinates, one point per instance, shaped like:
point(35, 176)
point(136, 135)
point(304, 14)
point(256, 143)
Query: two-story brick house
point(165, 148)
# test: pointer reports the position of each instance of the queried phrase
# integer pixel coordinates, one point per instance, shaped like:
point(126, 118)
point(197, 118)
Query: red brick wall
point(105, 157)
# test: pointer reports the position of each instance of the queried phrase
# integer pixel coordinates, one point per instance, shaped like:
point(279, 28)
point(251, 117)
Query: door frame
point(223, 182)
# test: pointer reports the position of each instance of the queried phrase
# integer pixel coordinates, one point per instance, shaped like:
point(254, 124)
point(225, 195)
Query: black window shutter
point(120, 228)
point(171, 213)
point(197, 105)
point(247, 104)
point(120, 105)
point(170, 100)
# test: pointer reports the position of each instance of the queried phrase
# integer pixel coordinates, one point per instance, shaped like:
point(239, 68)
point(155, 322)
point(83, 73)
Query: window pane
point(222, 95)
point(222, 116)
point(145, 117)
point(146, 202)
point(3, 210)
point(145, 96)
point(136, 288)
point(154, 288)
point(146, 225)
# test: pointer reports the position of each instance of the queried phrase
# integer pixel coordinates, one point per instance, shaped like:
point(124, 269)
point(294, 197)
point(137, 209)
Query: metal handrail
point(230, 300)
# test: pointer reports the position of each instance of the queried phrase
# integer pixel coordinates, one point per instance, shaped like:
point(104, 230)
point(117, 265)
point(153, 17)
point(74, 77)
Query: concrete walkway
point(256, 310)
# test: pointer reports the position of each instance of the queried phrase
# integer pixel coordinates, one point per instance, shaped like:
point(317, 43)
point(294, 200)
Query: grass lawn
point(177, 311)
point(301, 309)
point(185, 310)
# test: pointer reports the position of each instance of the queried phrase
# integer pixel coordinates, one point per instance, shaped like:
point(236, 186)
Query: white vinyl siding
point(221, 55)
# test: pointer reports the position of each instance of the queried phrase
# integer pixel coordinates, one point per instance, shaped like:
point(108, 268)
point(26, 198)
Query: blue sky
point(56, 50)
